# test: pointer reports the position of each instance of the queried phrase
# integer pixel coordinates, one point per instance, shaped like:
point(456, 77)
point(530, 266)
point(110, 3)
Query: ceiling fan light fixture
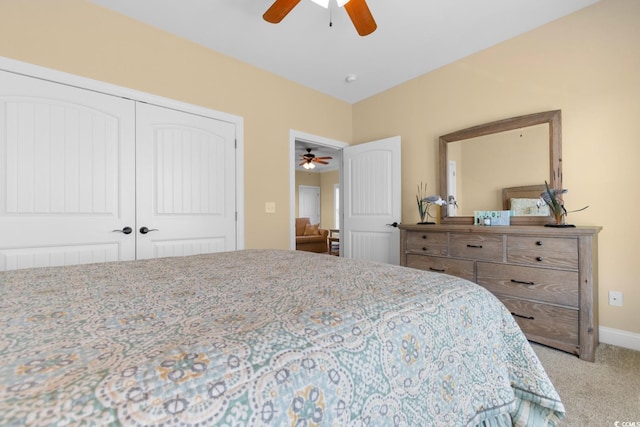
point(309, 166)
point(325, 3)
point(357, 10)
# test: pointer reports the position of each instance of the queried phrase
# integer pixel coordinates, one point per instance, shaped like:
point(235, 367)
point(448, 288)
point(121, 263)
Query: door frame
point(55, 76)
point(295, 135)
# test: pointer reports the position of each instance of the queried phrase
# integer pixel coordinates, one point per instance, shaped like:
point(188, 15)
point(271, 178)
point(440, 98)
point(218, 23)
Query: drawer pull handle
point(424, 236)
point(424, 248)
point(538, 243)
point(522, 282)
point(436, 269)
point(524, 317)
point(539, 259)
point(475, 246)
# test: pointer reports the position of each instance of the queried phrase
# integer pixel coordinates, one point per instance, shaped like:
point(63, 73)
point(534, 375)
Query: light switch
point(270, 207)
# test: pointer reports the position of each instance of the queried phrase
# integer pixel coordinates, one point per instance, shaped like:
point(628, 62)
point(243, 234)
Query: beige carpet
point(596, 394)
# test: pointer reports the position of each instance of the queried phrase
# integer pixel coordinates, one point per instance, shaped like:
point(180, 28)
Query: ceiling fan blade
point(278, 10)
point(361, 17)
point(322, 162)
point(324, 158)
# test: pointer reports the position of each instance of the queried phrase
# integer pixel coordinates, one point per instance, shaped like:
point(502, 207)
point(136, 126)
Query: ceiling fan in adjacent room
point(308, 160)
point(357, 9)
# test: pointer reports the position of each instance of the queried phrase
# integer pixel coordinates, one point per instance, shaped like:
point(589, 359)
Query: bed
point(262, 337)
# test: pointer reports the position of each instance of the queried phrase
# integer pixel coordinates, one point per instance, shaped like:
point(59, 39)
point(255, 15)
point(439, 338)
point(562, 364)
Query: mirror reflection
point(479, 168)
point(478, 165)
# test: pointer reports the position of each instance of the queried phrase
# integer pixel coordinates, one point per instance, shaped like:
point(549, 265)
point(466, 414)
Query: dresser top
point(537, 230)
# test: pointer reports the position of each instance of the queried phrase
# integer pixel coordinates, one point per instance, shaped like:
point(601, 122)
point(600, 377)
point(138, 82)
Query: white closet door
point(66, 174)
point(185, 183)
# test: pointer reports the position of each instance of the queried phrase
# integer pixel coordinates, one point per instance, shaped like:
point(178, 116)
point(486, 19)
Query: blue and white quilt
point(262, 338)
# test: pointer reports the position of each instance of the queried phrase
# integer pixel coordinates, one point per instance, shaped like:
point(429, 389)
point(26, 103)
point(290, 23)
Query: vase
point(560, 221)
point(559, 217)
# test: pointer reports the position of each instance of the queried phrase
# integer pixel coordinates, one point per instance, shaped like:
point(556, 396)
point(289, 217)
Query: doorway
point(376, 164)
point(299, 142)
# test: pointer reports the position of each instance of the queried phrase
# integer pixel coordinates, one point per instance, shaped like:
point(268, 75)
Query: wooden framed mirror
point(521, 151)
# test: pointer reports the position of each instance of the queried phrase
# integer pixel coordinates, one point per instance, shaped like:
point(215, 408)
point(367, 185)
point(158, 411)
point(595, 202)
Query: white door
point(372, 201)
point(452, 189)
point(186, 183)
point(66, 168)
point(309, 203)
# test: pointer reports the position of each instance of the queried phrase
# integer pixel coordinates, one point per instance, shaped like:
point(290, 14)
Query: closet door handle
point(145, 230)
point(126, 230)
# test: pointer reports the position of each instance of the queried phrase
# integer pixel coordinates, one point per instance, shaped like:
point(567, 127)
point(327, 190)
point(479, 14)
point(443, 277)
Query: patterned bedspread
point(262, 337)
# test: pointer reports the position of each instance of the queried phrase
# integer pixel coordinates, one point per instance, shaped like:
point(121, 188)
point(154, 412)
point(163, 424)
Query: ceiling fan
point(357, 9)
point(308, 160)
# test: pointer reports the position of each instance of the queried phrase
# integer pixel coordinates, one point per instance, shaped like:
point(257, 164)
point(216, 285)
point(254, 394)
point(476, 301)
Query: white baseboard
point(619, 338)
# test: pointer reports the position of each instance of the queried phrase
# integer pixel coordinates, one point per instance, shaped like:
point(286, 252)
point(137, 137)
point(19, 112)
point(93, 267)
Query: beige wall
point(81, 38)
point(586, 64)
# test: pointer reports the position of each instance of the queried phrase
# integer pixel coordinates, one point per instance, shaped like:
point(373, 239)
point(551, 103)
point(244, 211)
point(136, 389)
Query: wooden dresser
point(547, 277)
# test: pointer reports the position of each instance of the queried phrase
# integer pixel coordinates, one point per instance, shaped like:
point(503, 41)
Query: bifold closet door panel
point(67, 161)
point(185, 183)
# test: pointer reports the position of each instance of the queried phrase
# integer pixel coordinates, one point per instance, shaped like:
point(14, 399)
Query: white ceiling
point(413, 36)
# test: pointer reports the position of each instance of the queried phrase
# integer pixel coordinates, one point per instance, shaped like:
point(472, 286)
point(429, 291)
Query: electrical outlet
point(270, 207)
point(615, 298)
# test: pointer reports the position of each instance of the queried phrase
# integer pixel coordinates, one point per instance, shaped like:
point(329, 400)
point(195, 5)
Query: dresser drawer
point(456, 267)
point(428, 243)
point(554, 286)
point(545, 323)
point(543, 251)
point(476, 246)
